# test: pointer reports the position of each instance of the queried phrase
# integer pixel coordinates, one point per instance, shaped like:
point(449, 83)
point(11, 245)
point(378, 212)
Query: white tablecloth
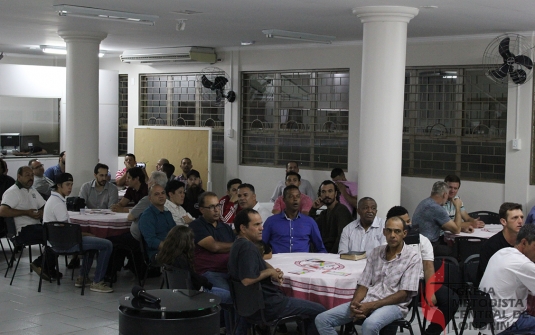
point(322, 278)
point(487, 232)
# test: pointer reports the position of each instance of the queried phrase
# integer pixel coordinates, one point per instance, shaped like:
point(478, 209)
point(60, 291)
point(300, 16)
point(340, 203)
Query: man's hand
point(477, 223)
point(457, 203)
point(364, 309)
point(34, 213)
point(341, 186)
point(317, 203)
point(277, 275)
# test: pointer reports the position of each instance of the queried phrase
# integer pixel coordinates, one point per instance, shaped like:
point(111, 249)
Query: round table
point(180, 311)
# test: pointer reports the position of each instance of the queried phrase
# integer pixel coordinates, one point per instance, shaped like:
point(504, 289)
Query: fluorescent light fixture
point(247, 43)
point(449, 77)
point(293, 35)
point(56, 50)
point(97, 13)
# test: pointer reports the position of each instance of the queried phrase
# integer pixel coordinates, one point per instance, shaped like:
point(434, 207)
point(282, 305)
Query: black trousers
point(119, 254)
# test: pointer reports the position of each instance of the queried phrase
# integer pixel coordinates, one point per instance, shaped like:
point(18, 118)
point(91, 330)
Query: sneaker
point(101, 287)
point(80, 280)
point(37, 269)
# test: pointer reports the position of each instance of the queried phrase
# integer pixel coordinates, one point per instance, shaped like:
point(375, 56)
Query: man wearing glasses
point(213, 240)
point(41, 183)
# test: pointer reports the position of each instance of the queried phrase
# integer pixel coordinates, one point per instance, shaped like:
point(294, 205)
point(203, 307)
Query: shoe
point(100, 287)
point(55, 275)
point(40, 273)
point(74, 263)
point(79, 281)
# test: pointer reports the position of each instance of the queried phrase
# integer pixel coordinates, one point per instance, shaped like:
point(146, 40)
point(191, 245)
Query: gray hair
point(159, 178)
point(439, 188)
point(526, 232)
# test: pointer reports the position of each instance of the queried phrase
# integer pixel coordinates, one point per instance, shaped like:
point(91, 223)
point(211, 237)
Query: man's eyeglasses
point(38, 166)
point(212, 207)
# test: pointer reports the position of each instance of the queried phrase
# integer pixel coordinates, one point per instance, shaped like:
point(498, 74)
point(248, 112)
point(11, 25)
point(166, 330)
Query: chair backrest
point(470, 266)
point(452, 271)
point(63, 236)
point(143, 248)
point(467, 246)
point(11, 227)
point(176, 278)
point(247, 299)
point(482, 307)
point(486, 216)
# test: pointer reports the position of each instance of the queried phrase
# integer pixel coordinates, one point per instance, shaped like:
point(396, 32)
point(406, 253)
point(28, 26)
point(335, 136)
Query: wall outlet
point(230, 133)
point(516, 144)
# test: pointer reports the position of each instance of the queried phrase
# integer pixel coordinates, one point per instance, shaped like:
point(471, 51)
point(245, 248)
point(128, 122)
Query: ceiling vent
point(170, 55)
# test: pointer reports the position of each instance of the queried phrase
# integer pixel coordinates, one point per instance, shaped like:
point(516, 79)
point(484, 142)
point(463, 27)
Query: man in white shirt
point(99, 193)
point(305, 187)
point(247, 199)
point(508, 278)
point(366, 232)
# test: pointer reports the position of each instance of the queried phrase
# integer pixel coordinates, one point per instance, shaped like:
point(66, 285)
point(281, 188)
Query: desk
point(101, 224)
point(329, 283)
point(487, 232)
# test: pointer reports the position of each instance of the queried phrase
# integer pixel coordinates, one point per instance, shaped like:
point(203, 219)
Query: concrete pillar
point(81, 116)
point(381, 111)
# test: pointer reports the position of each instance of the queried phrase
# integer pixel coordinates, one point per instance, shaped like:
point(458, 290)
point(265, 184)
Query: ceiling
point(26, 24)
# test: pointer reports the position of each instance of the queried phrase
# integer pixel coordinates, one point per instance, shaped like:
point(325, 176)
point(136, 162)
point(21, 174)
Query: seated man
point(137, 189)
point(365, 233)
point(155, 222)
point(511, 218)
point(247, 199)
point(193, 191)
point(229, 203)
point(433, 219)
point(160, 163)
point(213, 240)
point(56, 211)
point(305, 187)
point(247, 265)
point(291, 231)
point(348, 189)
point(385, 288)
point(444, 299)
point(41, 182)
point(129, 162)
point(54, 171)
point(175, 198)
point(169, 169)
point(293, 178)
point(331, 221)
point(454, 183)
point(509, 276)
point(99, 193)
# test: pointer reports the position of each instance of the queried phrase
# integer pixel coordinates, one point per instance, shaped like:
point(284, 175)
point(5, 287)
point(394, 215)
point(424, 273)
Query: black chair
point(486, 216)
point(11, 234)
point(149, 263)
point(63, 239)
point(4, 234)
point(122, 247)
point(470, 266)
point(249, 301)
point(176, 278)
point(480, 304)
point(452, 272)
point(467, 246)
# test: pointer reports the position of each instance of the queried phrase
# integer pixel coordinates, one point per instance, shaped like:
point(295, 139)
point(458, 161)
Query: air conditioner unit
point(170, 55)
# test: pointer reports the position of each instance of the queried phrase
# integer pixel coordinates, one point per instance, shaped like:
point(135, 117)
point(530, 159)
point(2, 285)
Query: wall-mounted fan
point(216, 85)
point(509, 56)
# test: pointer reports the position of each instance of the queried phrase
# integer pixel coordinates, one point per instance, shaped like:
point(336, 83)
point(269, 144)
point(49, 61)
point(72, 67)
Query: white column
point(381, 110)
point(81, 115)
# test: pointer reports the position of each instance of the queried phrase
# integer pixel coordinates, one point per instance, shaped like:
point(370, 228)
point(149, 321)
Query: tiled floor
point(62, 310)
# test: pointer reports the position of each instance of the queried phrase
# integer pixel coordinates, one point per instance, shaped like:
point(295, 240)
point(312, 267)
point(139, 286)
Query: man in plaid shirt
point(385, 288)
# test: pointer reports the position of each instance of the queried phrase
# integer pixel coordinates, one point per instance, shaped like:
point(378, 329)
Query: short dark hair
point(173, 185)
point(131, 155)
point(526, 232)
point(168, 169)
point(20, 169)
point(396, 211)
point(293, 173)
point(508, 206)
point(405, 226)
point(204, 195)
point(249, 186)
point(287, 190)
point(137, 172)
point(3, 166)
point(336, 172)
point(232, 182)
point(100, 166)
point(451, 178)
point(329, 182)
point(242, 219)
point(31, 161)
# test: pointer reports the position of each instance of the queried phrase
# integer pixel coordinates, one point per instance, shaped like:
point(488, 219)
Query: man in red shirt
point(229, 203)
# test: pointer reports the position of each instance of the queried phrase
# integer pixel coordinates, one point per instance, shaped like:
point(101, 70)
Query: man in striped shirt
point(229, 203)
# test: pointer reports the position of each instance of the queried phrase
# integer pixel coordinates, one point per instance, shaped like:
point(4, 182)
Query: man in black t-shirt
point(512, 219)
point(247, 265)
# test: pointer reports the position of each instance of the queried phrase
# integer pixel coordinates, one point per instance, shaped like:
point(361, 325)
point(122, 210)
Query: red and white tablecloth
point(102, 223)
point(322, 278)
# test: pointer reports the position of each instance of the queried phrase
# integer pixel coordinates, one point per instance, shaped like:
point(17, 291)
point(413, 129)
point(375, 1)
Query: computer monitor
point(10, 140)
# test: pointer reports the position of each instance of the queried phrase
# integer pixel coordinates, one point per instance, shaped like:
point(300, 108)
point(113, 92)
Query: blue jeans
point(340, 315)
point(104, 248)
point(296, 306)
point(218, 279)
point(524, 325)
point(222, 293)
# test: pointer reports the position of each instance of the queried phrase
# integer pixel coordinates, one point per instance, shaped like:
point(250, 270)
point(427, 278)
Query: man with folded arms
point(385, 288)
point(99, 193)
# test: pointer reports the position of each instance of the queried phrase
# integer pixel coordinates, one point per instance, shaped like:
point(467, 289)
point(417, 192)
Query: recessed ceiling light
point(185, 12)
point(245, 43)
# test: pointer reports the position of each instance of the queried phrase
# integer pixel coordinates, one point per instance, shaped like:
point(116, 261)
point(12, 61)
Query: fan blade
point(219, 95)
point(501, 72)
point(206, 82)
point(525, 61)
point(231, 96)
point(219, 83)
point(504, 49)
point(518, 76)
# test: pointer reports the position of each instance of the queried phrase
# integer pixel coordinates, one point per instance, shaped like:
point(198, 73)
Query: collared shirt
point(99, 200)
point(42, 185)
point(292, 235)
point(154, 226)
point(430, 217)
point(356, 238)
point(264, 212)
point(56, 209)
point(305, 188)
point(351, 189)
point(120, 173)
point(134, 196)
point(450, 208)
point(178, 212)
point(18, 197)
point(384, 278)
point(183, 179)
point(53, 172)
point(136, 212)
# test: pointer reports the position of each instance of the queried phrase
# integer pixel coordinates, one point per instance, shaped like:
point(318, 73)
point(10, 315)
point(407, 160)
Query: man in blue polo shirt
point(291, 231)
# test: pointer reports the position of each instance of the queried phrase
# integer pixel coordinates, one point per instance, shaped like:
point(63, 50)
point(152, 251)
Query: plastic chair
point(470, 266)
point(176, 278)
point(150, 263)
point(480, 304)
point(132, 252)
point(486, 216)
point(467, 246)
point(3, 234)
point(248, 300)
point(11, 234)
point(63, 239)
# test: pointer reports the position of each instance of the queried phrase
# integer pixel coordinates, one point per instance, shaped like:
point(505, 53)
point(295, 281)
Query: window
point(295, 115)
point(455, 122)
point(179, 100)
point(123, 114)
